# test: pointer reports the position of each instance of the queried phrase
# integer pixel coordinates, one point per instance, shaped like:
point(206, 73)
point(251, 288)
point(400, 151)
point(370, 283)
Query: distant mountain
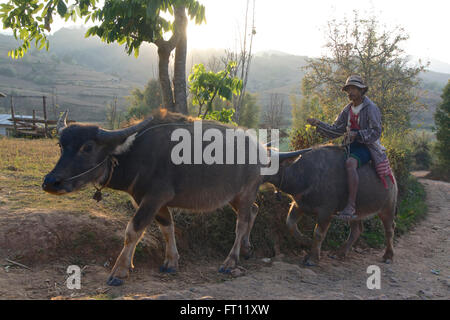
point(87, 73)
point(435, 65)
point(271, 53)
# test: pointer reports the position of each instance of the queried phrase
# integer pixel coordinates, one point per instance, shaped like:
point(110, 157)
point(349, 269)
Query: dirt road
point(420, 271)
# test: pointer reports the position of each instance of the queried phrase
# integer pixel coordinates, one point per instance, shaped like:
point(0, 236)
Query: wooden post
point(44, 104)
point(34, 119)
point(12, 116)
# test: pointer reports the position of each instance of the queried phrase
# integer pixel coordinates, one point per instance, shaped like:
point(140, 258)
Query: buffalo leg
point(166, 225)
point(244, 213)
point(295, 213)
point(356, 228)
point(134, 232)
point(387, 217)
point(246, 246)
point(320, 233)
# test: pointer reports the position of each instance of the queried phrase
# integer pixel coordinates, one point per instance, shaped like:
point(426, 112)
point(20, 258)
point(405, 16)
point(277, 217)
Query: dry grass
point(23, 165)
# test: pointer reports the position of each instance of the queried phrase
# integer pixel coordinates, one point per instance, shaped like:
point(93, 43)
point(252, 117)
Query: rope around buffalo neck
point(88, 171)
point(98, 194)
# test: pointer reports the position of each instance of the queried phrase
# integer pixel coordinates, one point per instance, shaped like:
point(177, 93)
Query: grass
point(412, 207)
point(23, 165)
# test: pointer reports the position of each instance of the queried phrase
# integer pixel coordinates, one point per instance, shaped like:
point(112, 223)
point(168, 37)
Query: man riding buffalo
point(360, 121)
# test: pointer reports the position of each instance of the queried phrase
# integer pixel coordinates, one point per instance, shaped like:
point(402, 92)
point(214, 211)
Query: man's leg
point(353, 181)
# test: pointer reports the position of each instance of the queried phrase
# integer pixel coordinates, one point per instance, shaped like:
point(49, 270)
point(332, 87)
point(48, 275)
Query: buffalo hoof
point(113, 281)
point(165, 269)
point(247, 254)
point(308, 262)
point(224, 271)
point(337, 256)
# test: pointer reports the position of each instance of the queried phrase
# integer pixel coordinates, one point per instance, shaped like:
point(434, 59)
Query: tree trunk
point(179, 80)
point(164, 79)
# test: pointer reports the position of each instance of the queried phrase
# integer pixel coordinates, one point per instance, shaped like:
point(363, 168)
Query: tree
point(272, 117)
point(361, 48)
point(205, 86)
point(224, 115)
point(304, 108)
point(128, 23)
point(243, 57)
point(142, 102)
point(113, 117)
point(442, 120)
point(250, 111)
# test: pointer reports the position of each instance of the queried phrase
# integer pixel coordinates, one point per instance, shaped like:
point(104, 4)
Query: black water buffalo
point(138, 160)
point(317, 181)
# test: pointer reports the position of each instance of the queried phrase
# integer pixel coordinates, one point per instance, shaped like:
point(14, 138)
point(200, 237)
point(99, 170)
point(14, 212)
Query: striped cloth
point(384, 169)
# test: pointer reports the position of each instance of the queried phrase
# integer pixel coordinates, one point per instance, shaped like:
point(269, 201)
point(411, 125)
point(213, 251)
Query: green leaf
point(62, 8)
point(152, 9)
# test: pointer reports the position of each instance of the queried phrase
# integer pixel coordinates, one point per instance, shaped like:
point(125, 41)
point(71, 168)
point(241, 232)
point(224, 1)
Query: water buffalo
point(317, 181)
point(138, 160)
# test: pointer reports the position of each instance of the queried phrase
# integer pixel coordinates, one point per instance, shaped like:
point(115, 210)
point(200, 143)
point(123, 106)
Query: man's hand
point(313, 122)
point(351, 136)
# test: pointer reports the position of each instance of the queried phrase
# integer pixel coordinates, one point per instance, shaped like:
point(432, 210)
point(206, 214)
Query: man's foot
point(347, 214)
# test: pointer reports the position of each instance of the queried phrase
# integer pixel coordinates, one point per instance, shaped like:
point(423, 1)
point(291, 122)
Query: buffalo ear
point(124, 147)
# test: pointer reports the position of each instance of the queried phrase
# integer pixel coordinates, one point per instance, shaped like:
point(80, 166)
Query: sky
point(298, 27)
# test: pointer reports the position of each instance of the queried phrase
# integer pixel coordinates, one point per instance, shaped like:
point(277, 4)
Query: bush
point(441, 149)
point(304, 137)
point(411, 206)
point(420, 150)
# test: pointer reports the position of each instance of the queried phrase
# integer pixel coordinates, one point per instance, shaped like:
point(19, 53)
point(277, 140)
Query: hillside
point(79, 88)
point(84, 75)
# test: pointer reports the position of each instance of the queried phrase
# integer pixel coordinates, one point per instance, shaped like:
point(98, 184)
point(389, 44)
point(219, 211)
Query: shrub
point(441, 149)
point(420, 150)
point(224, 116)
point(304, 137)
point(411, 206)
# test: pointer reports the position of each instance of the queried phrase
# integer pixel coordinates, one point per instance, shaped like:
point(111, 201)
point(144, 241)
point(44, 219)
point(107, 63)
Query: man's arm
point(337, 129)
point(373, 133)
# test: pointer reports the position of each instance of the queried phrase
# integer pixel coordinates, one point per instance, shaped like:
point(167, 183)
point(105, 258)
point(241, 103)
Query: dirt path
point(420, 271)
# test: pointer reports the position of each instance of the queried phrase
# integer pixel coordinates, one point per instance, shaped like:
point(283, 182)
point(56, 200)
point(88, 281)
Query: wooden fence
point(40, 128)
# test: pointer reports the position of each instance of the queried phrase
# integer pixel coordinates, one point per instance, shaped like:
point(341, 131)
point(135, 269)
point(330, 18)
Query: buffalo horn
point(118, 136)
point(62, 122)
point(286, 155)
